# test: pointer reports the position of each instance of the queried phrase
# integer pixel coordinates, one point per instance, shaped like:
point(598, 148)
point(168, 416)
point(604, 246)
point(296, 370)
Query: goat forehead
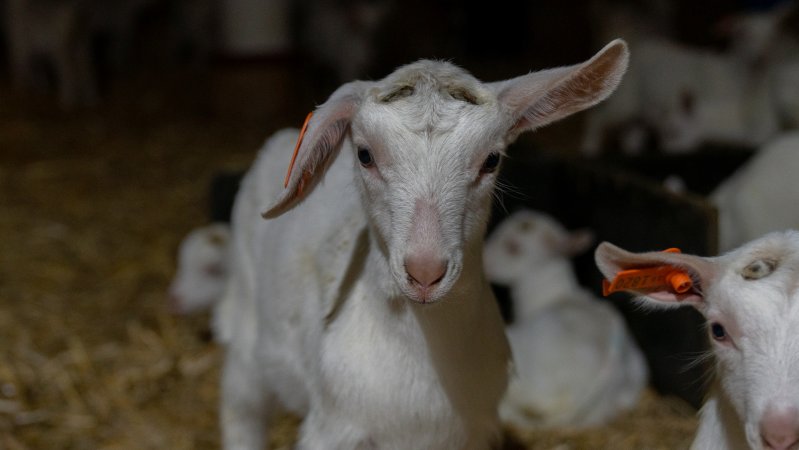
point(433, 97)
point(429, 124)
point(760, 309)
point(432, 113)
point(780, 250)
point(777, 290)
point(432, 76)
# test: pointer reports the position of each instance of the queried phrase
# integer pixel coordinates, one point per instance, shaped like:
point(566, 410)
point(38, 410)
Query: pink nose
point(779, 427)
point(425, 270)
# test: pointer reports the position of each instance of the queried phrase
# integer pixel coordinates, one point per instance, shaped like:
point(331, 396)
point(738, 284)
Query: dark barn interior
point(96, 192)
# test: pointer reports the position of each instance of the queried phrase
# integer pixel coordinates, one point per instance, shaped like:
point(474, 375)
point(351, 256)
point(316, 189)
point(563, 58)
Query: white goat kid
point(604, 372)
point(202, 269)
point(367, 308)
point(750, 300)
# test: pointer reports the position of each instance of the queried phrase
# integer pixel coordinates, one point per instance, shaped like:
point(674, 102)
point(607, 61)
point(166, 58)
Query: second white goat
point(366, 308)
point(750, 300)
point(576, 364)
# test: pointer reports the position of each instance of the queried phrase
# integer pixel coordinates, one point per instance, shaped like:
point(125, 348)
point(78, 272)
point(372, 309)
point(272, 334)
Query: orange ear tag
point(297, 149)
point(650, 279)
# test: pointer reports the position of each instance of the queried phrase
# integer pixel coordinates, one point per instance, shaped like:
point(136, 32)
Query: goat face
point(427, 141)
point(426, 163)
point(750, 298)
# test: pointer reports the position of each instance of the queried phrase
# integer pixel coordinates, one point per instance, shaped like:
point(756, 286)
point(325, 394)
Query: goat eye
point(365, 157)
point(718, 332)
point(491, 163)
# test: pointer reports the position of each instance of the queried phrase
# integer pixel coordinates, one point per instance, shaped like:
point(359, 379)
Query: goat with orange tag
point(751, 304)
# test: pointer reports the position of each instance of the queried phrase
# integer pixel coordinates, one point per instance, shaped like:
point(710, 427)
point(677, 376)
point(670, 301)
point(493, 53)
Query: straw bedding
point(92, 206)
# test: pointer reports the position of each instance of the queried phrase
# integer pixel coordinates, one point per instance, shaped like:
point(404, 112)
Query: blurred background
point(124, 124)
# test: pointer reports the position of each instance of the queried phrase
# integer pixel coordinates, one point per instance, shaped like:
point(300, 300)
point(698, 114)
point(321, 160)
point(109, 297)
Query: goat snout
point(425, 271)
point(424, 262)
point(779, 428)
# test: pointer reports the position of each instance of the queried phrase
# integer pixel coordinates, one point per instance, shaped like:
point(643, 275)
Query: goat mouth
point(420, 294)
point(423, 301)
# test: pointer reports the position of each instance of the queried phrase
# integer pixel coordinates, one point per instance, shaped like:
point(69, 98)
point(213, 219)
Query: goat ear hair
point(320, 145)
point(543, 97)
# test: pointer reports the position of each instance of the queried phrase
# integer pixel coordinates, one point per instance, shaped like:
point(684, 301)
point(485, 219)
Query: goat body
point(687, 97)
point(366, 308)
point(554, 316)
point(755, 199)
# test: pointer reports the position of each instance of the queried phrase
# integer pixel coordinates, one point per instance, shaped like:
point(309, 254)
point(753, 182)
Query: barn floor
point(92, 206)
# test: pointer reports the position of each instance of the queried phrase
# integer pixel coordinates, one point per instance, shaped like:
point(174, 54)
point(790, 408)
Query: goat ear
point(326, 130)
point(611, 260)
point(543, 97)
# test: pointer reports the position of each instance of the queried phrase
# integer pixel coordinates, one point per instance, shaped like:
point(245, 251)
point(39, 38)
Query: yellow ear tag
point(297, 149)
point(650, 279)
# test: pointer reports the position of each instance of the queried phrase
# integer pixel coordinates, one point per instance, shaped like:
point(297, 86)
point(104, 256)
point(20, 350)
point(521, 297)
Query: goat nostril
point(425, 272)
point(779, 442)
point(779, 429)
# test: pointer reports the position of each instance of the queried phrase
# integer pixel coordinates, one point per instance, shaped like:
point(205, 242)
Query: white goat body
point(366, 308)
point(688, 97)
point(756, 198)
point(749, 299)
point(575, 362)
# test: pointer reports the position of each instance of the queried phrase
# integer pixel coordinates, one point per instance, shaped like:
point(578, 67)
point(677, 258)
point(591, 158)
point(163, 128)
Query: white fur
point(743, 96)
point(320, 316)
point(757, 364)
point(759, 197)
point(201, 269)
point(689, 97)
point(575, 362)
point(785, 73)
